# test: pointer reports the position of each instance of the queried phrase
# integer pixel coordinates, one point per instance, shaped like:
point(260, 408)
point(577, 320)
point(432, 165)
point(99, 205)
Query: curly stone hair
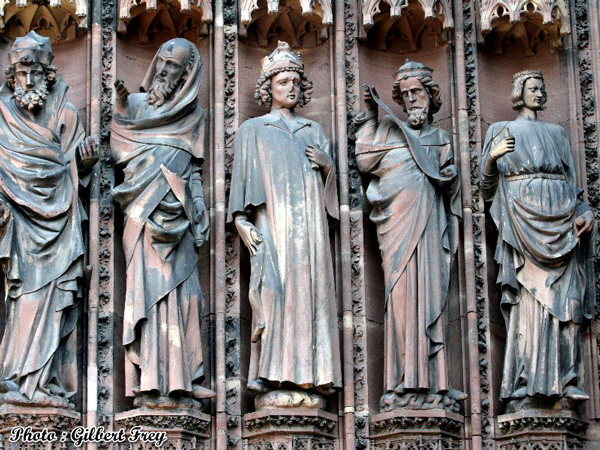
point(49, 71)
point(262, 91)
point(431, 87)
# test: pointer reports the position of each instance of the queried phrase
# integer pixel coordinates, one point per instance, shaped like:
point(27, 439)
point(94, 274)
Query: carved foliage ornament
point(553, 12)
point(58, 20)
point(169, 18)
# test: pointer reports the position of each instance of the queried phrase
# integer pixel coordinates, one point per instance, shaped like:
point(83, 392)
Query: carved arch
point(59, 20)
point(301, 23)
point(144, 20)
point(524, 24)
point(432, 9)
point(552, 12)
point(405, 26)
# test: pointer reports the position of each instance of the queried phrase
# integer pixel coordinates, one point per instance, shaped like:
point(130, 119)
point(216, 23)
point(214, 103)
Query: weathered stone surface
point(185, 428)
point(401, 429)
point(290, 429)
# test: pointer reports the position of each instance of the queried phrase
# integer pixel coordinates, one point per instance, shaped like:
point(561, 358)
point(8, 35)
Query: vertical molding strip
point(346, 263)
point(219, 226)
point(465, 56)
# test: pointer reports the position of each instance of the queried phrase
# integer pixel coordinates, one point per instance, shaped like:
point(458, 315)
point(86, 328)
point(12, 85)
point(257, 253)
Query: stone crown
point(281, 58)
point(527, 74)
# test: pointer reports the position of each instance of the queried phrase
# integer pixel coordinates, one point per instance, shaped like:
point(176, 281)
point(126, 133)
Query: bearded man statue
point(44, 159)
point(415, 194)
point(158, 138)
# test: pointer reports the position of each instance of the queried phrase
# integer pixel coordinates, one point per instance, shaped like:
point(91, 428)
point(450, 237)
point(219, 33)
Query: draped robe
point(41, 248)
point(161, 150)
point(292, 272)
point(546, 292)
point(417, 231)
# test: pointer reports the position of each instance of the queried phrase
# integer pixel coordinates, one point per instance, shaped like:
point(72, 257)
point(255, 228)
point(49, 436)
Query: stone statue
point(415, 194)
point(283, 188)
point(158, 137)
point(44, 158)
point(543, 243)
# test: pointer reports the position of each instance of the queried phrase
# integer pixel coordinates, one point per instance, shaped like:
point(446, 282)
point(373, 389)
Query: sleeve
point(332, 204)
point(453, 189)
point(196, 186)
point(489, 181)
point(247, 185)
point(370, 143)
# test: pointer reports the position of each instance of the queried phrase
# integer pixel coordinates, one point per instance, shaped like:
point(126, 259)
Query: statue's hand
point(88, 153)
point(249, 234)
point(121, 91)
point(4, 213)
point(449, 173)
point(503, 146)
point(368, 98)
point(584, 223)
point(201, 223)
point(318, 158)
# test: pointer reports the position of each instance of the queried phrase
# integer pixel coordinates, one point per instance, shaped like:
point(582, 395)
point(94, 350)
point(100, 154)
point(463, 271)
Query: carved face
point(31, 86)
point(170, 67)
point(534, 94)
point(170, 63)
point(285, 89)
point(416, 101)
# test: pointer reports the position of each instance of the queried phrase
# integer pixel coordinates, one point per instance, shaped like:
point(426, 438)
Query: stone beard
point(162, 196)
point(32, 99)
point(418, 117)
point(41, 241)
point(416, 209)
point(161, 90)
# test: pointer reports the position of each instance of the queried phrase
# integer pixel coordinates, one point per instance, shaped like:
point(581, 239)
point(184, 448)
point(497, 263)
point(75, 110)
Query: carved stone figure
point(543, 232)
point(44, 158)
point(283, 188)
point(415, 194)
point(158, 137)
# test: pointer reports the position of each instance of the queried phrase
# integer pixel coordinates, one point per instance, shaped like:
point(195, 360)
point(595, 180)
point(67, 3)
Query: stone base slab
point(45, 428)
point(407, 428)
point(542, 430)
point(185, 429)
point(290, 429)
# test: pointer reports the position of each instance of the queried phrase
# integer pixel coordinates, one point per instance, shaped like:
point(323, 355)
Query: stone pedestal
point(43, 428)
point(185, 429)
point(290, 429)
point(541, 429)
point(406, 428)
